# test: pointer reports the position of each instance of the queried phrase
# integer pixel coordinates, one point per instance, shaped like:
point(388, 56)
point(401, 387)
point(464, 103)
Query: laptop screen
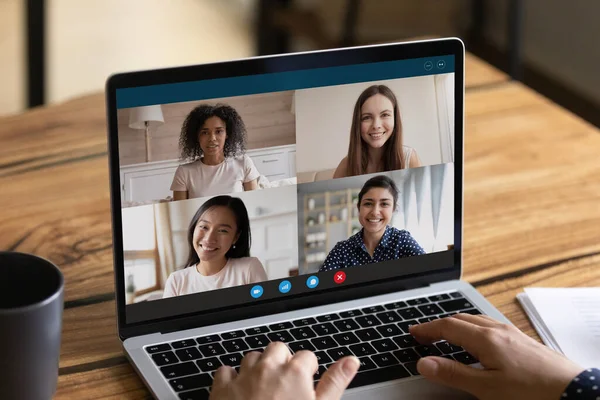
point(253, 188)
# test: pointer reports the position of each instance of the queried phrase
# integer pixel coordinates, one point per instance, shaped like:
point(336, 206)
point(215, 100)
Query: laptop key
point(209, 364)
point(213, 349)
point(256, 330)
point(407, 324)
point(324, 329)
point(373, 309)
point(417, 302)
point(455, 305)
point(395, 305)
point(258, 350)
point(412, 368)
point(367, 321)
point(320, 371)
point(233, 360)
point(472, 311)
point(362, 349)
point(350, 313)
point(166, 358)
point(257, 341)
point(281, 336)
point(177, 370)
point(410, 313)
point(425, 351)
point(368, 334)
point(345, 339)
point(328, 318)
point(191, 382)
point(378, 376)
point(188, 354)
point(322, 357)
point(158, 348)
point(346, 325)
point(235, 345)
point(208, 339)
point(430, 309)
point(301, 345)
point(338, 353)
point(448, 348)
point(304, 322)
point(366, 364)
point(280, 326)
point(384, 359)
point(303, 333)
point(406, 355)
point(324, 343)
point(405, 341)
point(180, 344)
point(439, 297)
point(389, 317)
point(465, 358)
point(232, 335)
point(456, 295)
point(389, 330)
point(426, 319)
point(384, 345)
point(200, 394)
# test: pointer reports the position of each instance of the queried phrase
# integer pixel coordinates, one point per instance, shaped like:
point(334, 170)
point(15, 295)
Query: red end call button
point(339, 277)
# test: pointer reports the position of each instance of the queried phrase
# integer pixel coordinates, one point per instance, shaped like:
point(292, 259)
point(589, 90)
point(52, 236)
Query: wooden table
point(532, 212)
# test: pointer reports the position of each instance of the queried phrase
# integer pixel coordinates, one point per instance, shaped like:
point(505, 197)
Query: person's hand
point(515, 365)
point(275, 374)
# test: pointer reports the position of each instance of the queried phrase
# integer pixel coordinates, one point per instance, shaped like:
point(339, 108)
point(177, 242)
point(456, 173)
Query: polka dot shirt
point(394, 244)
point(585, 386)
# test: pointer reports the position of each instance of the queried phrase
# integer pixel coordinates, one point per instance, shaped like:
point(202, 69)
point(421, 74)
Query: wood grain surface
point(530, 212)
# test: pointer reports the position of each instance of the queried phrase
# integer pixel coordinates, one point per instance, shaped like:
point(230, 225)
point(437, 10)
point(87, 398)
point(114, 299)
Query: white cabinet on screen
point(275, 244)
point(151, 182)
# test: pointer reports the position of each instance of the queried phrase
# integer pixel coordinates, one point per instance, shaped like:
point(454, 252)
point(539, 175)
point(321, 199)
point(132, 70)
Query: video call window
point(414, 208)
point(205, 148)
point(372, 127)
point(234, 191)
point(246, 238)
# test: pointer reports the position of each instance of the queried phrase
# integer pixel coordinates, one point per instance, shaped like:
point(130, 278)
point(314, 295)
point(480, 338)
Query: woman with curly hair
point(213, 137)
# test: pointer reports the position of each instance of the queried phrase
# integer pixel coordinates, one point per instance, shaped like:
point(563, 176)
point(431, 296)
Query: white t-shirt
point(237, 271)
point(201, 180)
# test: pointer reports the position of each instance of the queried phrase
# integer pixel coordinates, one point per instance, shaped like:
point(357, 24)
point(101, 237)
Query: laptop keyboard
point(377, 335)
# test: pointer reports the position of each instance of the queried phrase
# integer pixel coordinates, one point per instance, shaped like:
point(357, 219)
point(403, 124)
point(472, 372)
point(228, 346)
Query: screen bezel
point(271, 64)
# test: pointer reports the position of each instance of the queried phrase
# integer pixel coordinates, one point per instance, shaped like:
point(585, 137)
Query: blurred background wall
point(88, 40)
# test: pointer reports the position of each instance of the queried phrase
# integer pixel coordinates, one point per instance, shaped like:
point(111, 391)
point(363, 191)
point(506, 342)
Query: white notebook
point(567, 320)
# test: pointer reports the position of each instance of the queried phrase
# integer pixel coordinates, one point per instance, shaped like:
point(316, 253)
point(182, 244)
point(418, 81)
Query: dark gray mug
point(31, 305)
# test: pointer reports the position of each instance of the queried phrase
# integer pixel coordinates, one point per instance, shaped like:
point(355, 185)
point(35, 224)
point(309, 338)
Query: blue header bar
point(281, 81)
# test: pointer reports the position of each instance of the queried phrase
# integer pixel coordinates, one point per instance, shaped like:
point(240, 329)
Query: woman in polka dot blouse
point(376, 241)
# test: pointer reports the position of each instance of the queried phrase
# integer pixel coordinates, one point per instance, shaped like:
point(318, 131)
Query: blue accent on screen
point(280, 81)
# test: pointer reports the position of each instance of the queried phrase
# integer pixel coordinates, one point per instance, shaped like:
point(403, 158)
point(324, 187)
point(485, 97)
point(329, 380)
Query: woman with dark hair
point(213, 137)
point(376, 136)
point(219, 250)
point(376, 241)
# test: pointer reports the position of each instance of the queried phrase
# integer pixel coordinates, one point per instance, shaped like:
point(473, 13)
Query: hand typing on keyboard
point(515, 366)
point(276, 374)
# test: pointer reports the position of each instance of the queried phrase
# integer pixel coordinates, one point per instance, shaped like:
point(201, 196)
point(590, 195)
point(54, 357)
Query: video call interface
point(256, 196)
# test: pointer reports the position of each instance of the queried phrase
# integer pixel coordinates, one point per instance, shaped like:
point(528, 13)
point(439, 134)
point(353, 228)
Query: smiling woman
point(219, 243)
point(377, 241)
point(376, 136)
point(214, 137)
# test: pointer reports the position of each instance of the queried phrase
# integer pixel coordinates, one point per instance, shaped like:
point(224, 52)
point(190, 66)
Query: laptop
point(312, 198)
